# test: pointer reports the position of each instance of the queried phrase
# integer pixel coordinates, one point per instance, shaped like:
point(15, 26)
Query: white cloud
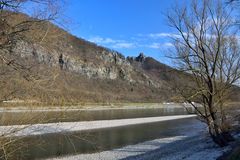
point(124, 45)
point(167, 44)
point(112, 43)
point(154, 45)
point(163, 35)
point(141, 40)
point(100, 40)
point(160, 45)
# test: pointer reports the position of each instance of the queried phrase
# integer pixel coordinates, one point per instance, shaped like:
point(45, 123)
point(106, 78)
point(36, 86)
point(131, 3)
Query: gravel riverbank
point(189, 147)
point(38, 129)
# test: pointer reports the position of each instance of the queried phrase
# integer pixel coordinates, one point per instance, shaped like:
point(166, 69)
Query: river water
point(61, 144)
point(68, 115)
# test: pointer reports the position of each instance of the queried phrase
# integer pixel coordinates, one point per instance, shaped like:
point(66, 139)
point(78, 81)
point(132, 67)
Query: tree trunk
point(222, 138)
point(215, 124)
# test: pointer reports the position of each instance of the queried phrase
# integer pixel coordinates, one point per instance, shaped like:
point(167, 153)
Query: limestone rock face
point(112, 66)
point(103, 64)
point(86, 71)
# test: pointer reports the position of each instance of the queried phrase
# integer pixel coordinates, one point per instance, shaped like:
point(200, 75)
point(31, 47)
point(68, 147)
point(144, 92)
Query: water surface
point(52, 145)
point(31, 117)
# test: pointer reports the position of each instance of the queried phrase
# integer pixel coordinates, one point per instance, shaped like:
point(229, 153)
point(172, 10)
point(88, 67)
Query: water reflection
point(11, 118)
point(105, 139)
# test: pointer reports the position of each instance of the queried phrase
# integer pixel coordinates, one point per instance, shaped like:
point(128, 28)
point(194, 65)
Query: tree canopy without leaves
point(208, 49)
point(14, 26)
point(14, 69)
point(236, 5)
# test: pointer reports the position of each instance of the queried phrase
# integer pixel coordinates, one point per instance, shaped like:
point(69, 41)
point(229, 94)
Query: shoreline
point(94, 107)
point(197, 146)
point(39, 129)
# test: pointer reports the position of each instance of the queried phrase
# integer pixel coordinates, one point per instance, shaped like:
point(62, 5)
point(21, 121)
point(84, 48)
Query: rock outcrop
point(86, 71)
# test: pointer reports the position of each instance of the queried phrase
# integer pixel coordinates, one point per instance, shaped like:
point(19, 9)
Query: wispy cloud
point(152, 41)
point(154, 45)
point(167, 44)
point(160, 45)
point(101, 40)
point(113, 43)
point(124, 45)
point(163, 35)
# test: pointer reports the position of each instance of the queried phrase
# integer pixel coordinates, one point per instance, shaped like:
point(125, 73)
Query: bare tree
point(15, 27)
point(208, 49)
point(236, 5)
point(232, 1)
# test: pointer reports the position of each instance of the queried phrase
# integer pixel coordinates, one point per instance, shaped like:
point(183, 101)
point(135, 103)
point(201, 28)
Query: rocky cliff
point(79, 70)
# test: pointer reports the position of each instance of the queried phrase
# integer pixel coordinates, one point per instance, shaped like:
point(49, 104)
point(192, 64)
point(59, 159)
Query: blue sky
point(128, 26)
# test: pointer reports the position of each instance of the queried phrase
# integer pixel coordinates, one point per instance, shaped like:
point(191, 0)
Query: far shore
point(21, 108)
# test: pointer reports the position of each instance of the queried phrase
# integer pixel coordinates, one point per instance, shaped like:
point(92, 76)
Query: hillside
point(71, 69)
